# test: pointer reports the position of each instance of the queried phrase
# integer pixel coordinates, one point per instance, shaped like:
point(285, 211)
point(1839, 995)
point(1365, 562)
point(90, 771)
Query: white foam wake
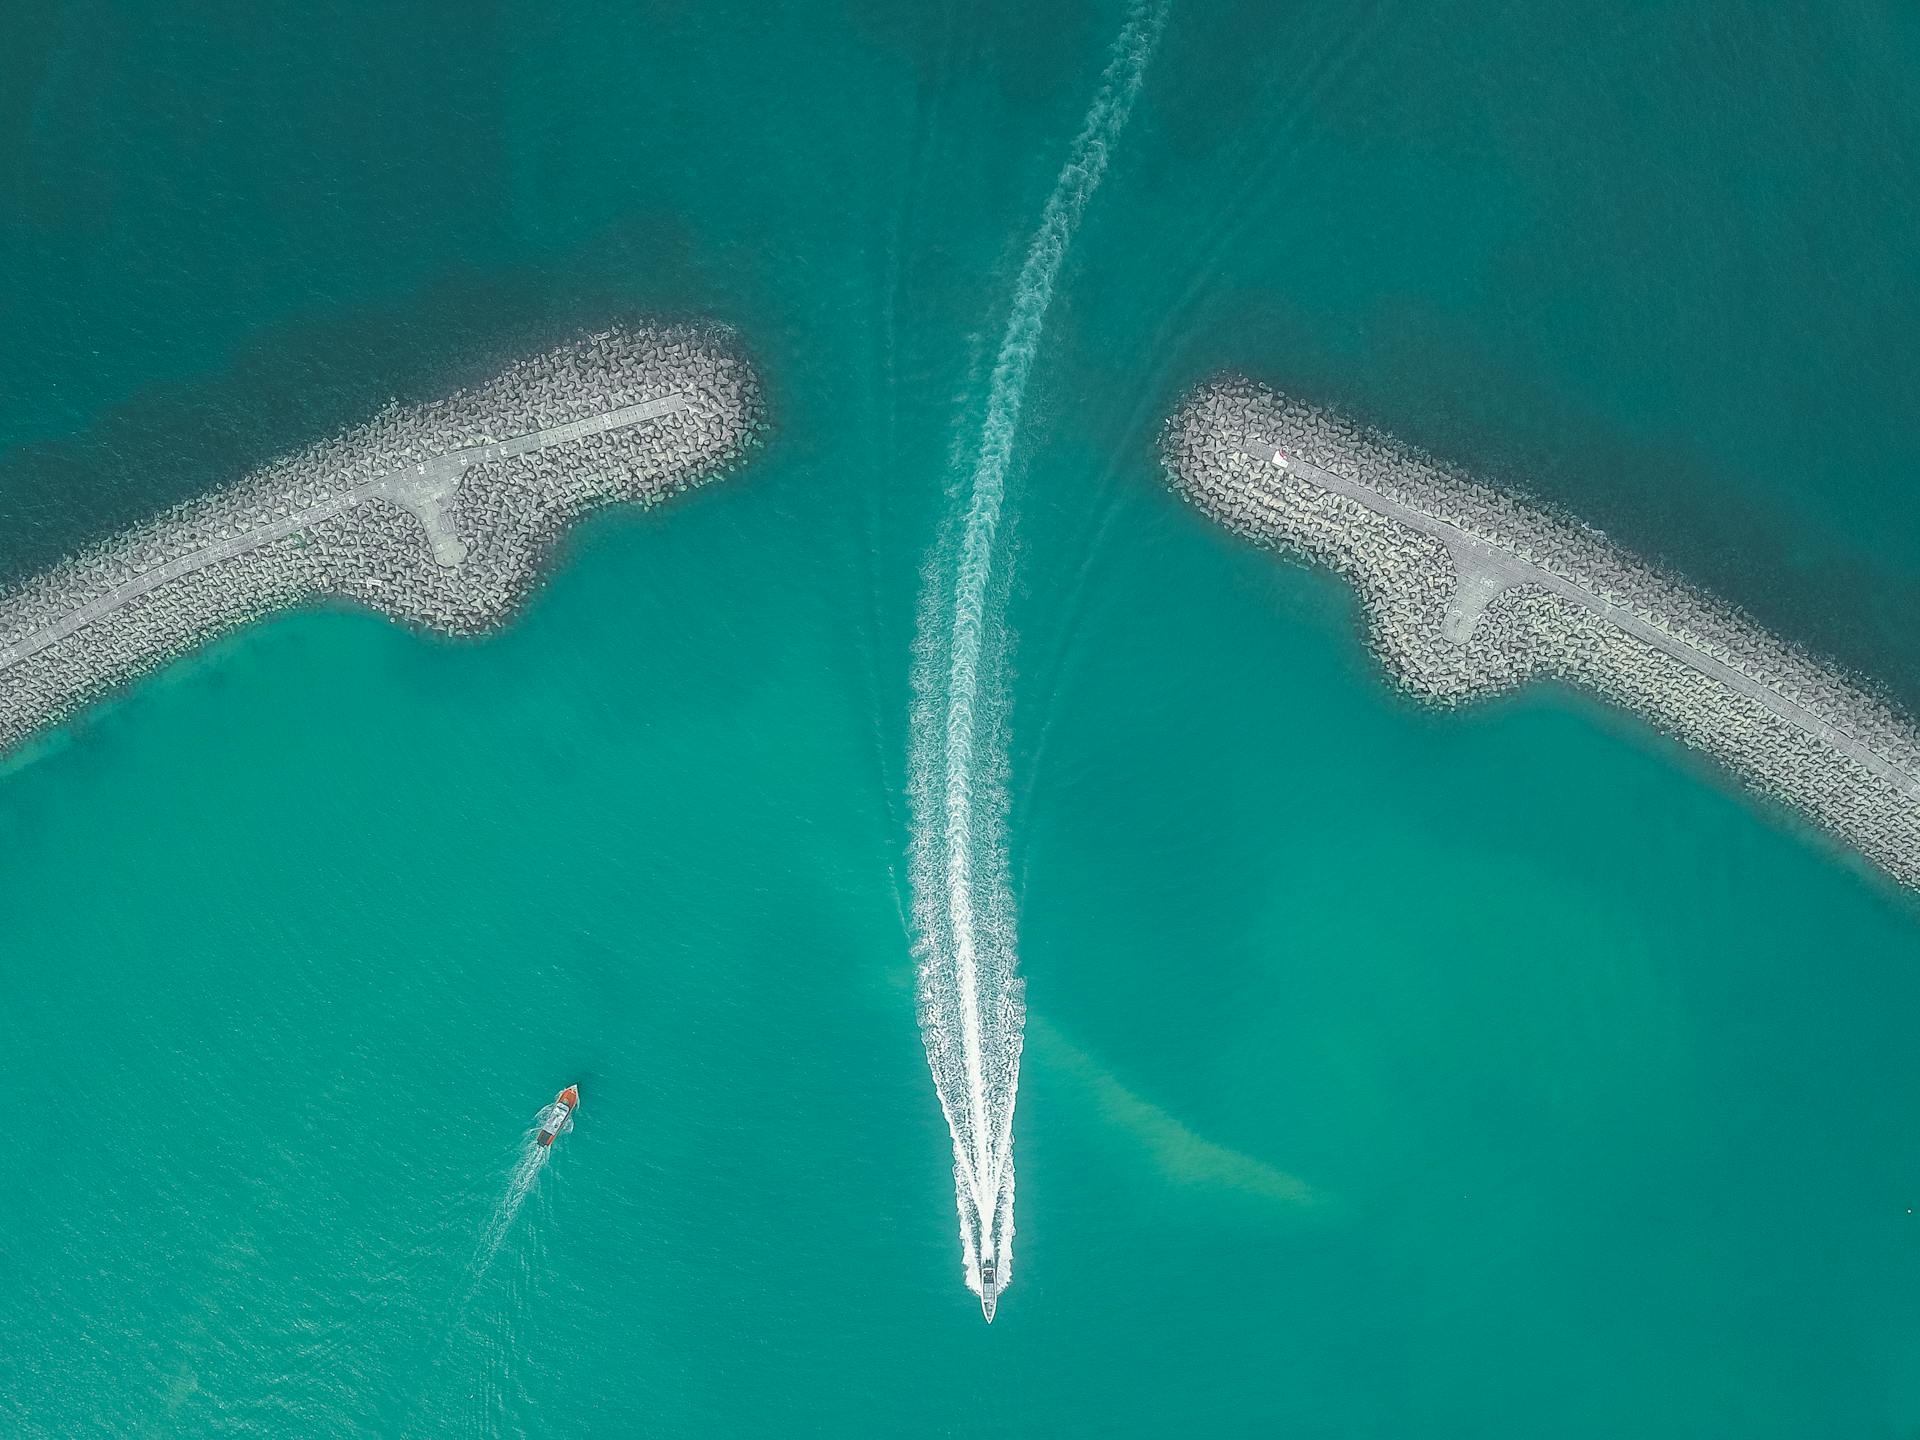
point(463, 1387)
point(971, 1010)
point(526, 1171)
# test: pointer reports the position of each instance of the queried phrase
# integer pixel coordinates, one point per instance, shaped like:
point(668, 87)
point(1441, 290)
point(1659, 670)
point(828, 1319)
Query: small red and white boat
point(557, 1118)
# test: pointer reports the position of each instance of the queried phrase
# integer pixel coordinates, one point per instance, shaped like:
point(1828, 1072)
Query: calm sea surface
point(1388, 1074)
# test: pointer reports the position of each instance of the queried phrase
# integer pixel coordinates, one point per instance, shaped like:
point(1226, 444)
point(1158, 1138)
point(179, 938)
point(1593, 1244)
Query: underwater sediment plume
point(1468, 591)
point(436, 515)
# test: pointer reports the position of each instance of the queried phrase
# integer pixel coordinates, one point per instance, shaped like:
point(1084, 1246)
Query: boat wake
point(526, 1174)
point(970, 993)
point(465, 1385)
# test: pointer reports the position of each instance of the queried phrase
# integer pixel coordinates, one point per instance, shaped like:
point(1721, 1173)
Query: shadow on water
point(304, 381)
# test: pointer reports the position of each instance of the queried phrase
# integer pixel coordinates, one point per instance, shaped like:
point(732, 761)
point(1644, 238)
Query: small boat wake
point(526, 1174)
point(465, 1386)
point(551, 1123)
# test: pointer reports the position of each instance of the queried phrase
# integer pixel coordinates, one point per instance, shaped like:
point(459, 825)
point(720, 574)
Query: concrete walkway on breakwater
point(1485, 570)
point(423, 488)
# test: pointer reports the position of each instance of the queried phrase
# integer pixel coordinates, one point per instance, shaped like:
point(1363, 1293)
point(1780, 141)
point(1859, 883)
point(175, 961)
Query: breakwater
point(436, 515)
point(1468, 591)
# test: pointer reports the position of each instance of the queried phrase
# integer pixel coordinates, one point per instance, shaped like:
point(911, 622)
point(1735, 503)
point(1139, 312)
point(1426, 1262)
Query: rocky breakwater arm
point(1468, 591)
point(437, 515)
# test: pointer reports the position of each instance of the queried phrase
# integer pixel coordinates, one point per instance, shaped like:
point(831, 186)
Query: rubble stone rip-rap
point(437, 515)
point(1468, 591)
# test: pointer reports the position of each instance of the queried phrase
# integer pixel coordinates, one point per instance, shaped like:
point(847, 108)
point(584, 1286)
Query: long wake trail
point(972, 1015)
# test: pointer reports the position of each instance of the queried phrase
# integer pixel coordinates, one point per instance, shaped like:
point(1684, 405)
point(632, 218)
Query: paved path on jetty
point(424, 488)
point(1485, 570)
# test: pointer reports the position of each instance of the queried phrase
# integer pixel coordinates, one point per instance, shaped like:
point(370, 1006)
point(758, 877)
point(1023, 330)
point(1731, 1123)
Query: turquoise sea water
point(1387, 1073)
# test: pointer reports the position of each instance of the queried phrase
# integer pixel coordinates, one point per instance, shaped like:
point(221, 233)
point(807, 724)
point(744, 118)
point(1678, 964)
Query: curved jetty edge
point(436, 515)
point(1468, 592)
